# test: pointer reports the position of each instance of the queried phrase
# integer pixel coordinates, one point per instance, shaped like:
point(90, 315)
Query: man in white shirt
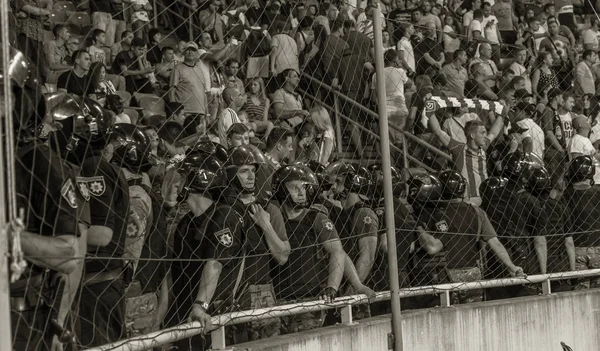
point(234, 101)
point(533, 135)
point(580, 144)
point(584, 75)
point(491, 32)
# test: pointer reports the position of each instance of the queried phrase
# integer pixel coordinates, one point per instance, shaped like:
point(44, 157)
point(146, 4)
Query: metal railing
point(219, 322)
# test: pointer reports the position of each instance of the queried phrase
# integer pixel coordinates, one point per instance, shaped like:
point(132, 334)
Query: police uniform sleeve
point(102, 191)
point(365, 223)
point(222, 235)
point(537, 219)
point(324, 228)
point(403, 218)
point(486, 229)
point(277, 221)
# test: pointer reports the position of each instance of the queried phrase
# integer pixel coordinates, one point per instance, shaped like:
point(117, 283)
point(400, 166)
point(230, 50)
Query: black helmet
point(538, 180)
point(239, 156)
point(210, 147)
point(132, 148)
point(323, 178)
point(580, 169)
point(453, 185)
point(357, 179)
point(377, 175)
point(492, 187)
point(513, 166)
point(206, 173)
point(423, 189)
point(295, 172)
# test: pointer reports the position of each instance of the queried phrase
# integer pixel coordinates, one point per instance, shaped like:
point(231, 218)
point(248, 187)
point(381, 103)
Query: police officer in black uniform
point(518, 217)
point(100, 322)
point(454, 222)
point(55, 216)
point(582, 198)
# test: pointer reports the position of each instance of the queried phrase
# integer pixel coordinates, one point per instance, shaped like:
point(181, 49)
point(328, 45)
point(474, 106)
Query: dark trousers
point(30, 329)
point(102, 313)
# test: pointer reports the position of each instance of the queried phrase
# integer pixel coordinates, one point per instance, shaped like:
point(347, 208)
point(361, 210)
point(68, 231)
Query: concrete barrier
point(537, 323)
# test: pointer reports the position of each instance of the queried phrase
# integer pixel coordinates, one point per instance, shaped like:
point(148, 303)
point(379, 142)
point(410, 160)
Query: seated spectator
point(233, 101)
point(175, 112)
point(287, 103)
point(165, 66)
point(189, 83)
point(585, 77)
point(580, 144)
point(114, 103)
point(518, 67)
point(237, 134)
point(230, 71)
point(56, 53)
point(96, 50)
point(135, 68)
point(284, 52)
point(257, 107)
point(325, 134)
point(543, 76)
point(590, 35)
point(154, 54)
point(429, 54)
point(139, 18)
point(488, 66)
point(99, 87)
point(123, 45)
point(308, 149)
point(75, 81)
point(73, 44)
point(456, 74)
point(476, 86)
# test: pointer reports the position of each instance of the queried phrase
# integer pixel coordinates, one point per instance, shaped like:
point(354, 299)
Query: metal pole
point(5, 330)
point(384, 134)
point(338, 125)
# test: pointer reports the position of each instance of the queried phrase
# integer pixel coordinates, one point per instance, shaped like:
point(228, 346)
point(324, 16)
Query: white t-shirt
point(490, 25)
point(582, 145)
point(475, 26)
point(455, 126)
point(228, 118)
point(395, 78)
point(405, 46)
point(450, 44)
point(520, 70)
point(538, 41)
point(467, 18)
point(96, 54)
point(536, 133)
point(591, 37)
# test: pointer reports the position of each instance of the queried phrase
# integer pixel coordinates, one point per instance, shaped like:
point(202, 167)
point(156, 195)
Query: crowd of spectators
point(215, 157)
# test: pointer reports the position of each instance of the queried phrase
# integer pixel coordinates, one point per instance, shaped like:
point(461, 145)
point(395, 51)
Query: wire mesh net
point(149, 203)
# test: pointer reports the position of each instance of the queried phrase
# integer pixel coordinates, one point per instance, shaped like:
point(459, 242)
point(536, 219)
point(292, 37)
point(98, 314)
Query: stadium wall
point(525, 324)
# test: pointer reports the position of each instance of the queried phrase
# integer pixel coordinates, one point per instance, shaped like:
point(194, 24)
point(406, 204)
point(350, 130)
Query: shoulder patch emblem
point(68, 193)
point(442, 226)
point(96, 185)
point(327, 225)
point(224, 236)
point(367, 220)
point(83, 188)
point(379, 211)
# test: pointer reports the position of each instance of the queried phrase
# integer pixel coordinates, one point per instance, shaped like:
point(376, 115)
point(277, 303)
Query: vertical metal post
point(338, 121)
point(384, 134)
point(5, 330)
point(155, 10)
point(190, 21)
point(218, 339)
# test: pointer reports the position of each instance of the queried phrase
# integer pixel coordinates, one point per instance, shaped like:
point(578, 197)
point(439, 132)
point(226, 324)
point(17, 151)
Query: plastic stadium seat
point(64, 5)
point(133, 114)
point(125, 97)
point(152, 103)
point(58, 16)
point(80, 19)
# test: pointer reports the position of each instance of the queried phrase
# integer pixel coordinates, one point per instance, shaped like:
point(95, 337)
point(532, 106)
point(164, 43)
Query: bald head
point(485, 50)
point(229, 94)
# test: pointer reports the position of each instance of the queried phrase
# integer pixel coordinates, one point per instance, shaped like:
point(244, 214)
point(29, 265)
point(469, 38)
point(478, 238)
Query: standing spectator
point(305, 38)
point(590, 35)
point(230, 71)
point(518, 66)
point(580, 144)
point(279, 146)
point(470, 159)
point(165, 66)
point(284, 52)
point(456, 74)
point(475, 30)
point(135, 68)
point(75, 81)
point(429, 53)
point(491, 32)
point(537, 7)
point(427, 18)
point(123, 45)
point(31, 29)
point(585, 76)
point(257, 107)
point(140, 20)
point(563, 9)
point(507, 20)
point(96, 50)
point(405, 48)
point(154, 54)
point(543, 76)
point(326, 20)
point(56, 53)
point(469, 15)
point(533, 135)
point(359, 43)
point(451, 40)
point(255, 51)
point(395, 81)
point(562, 55)
point(333, 50)
point(210, 20)
point(108, 15)
point(490, 70)
point(287, 103)
point(364, 23)
point(234, 101)
point(189, 83)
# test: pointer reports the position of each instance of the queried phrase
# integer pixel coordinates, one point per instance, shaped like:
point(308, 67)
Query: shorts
point(102, 313)
point(29, 329)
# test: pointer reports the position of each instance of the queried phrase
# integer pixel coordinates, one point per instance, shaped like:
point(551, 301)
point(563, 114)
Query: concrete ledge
point(537, 323)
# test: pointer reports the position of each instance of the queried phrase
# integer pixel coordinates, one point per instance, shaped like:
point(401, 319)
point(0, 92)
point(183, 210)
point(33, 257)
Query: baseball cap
point(552, 93)
point(190, 45)
point(522, 94)
point(526, 107)
point(580, 122)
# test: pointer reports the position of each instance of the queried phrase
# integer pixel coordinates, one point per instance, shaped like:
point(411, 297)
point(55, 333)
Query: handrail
point(366, 130)
point(187, 330)
point(373, 114)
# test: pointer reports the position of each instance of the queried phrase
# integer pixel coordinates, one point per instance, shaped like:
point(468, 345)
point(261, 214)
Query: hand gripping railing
point(219, 322)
